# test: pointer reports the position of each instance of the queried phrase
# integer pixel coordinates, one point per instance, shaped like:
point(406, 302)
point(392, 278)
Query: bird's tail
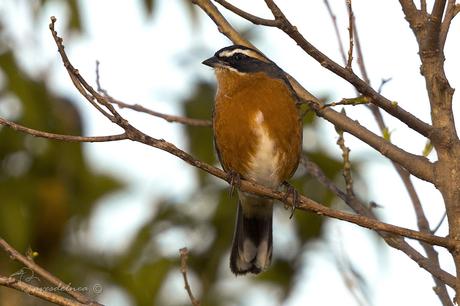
point(252, 242)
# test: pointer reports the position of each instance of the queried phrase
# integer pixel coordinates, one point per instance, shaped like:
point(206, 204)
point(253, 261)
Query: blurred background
point(113, 216)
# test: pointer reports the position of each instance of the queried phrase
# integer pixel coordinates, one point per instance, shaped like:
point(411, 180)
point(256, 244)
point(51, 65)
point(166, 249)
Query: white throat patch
point(218, 69)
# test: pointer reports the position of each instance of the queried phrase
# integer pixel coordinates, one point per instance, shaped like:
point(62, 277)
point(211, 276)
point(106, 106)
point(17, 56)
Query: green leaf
point(428, 148)
point(386, 134)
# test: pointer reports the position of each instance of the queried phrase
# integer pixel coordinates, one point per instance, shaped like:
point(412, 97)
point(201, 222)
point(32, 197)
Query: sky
point(132, 50)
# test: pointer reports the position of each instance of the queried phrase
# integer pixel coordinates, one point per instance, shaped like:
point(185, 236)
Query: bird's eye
point(239, 56)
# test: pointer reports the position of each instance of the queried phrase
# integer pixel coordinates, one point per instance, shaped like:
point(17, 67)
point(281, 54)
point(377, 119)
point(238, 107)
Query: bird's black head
point(243, 60)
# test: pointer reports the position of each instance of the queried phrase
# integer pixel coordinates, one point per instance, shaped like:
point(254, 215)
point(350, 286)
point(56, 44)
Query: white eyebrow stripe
point(228, 53)
point(250, 53)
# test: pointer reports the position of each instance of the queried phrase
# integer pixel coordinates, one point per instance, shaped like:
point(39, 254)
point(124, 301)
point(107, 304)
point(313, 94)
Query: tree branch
point(222, 24)
point(247, 16)
point(440, 222)
point(303, 203)
point(167, 117)
point(422, 221)
point(396, 242)
point(417, 165)
point(350, 34)
point(142, 109)
point(424, 226)
point(82, 86)
point(423, 6)
point(277, 13)
point(183, 269)
point(395, 110)
point(360, 60)
point(451, 11)
point(251, 187)
point(346, 172)
point(38, 292)
point(409, 9)
point(61, 137)
point(336, 29)
point(15, 255)
point(438, 10)
point(431, 33)
point(352, 280)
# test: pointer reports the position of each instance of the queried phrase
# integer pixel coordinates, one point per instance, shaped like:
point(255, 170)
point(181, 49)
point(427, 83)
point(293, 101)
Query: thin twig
point(430, 33)
point(15, 255)
point(393, 241)
point(61, 137)
point(247, 16)
point(383, 82)
point(412, 14)
point(438, 10)
point(336, 29)
point(350, 34)
point(350, 277)
point(222, 23)
point(360, 60)
point(142, 109)
point(451, 11)
point(420, 167)
point(440, 288)
point(422, 221)
point(423, 225)
point(382, 102)
point(88, 92)
point(346, 163)
point(314, 170)
point(423, 6)
point(38, 292)
point(183, 269)
point(167, 117)
point(351, 101)
point(441, 221)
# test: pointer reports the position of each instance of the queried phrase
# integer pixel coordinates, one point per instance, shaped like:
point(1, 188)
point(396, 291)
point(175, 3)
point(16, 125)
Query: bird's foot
point(234, 179)
point(291, 192)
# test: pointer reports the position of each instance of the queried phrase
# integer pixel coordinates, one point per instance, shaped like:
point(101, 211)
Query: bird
point(257, 131)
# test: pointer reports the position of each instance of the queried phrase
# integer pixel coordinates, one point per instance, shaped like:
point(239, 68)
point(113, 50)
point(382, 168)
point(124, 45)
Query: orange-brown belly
point(258, 135)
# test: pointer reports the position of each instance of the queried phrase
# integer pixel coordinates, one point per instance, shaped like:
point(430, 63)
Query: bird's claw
point(291, 192)
point(234, 180)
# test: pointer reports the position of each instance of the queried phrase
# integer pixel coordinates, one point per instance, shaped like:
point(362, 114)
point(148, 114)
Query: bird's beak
point(212, 62)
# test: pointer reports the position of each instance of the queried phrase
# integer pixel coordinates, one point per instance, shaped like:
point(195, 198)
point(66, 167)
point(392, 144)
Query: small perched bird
point(258, 136)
